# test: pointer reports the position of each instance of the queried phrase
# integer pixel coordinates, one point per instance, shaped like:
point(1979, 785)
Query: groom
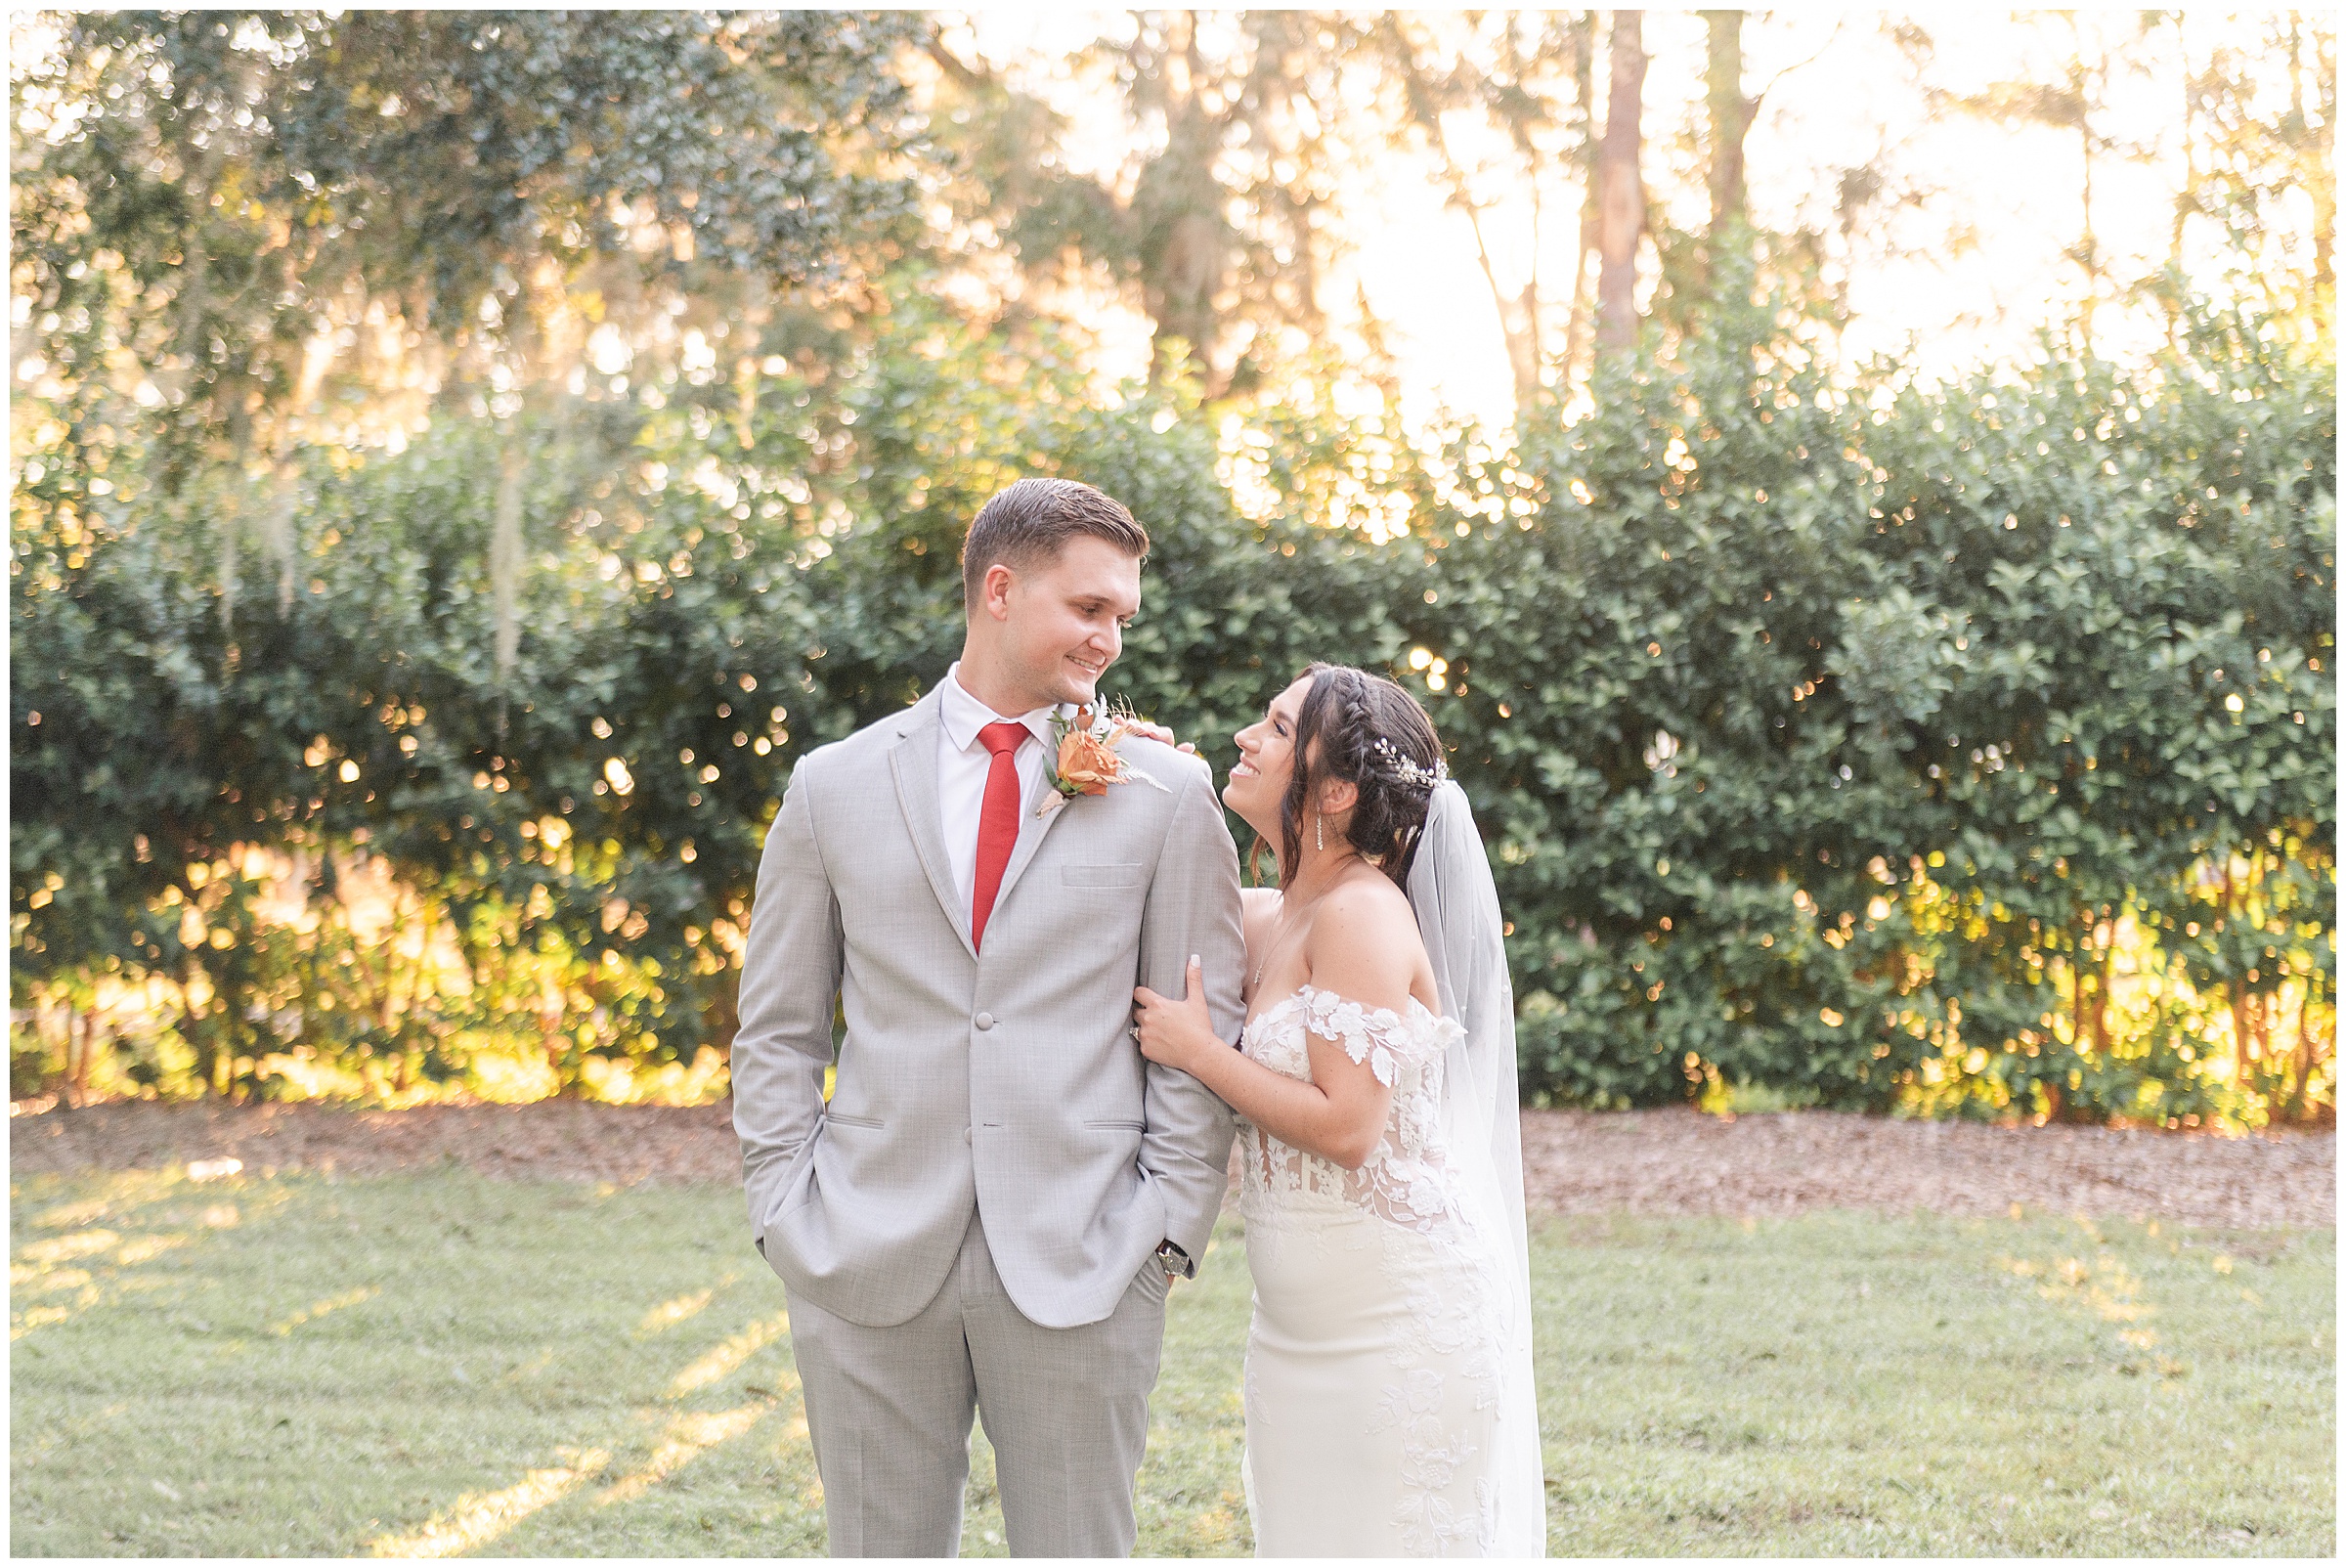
point(987, 1213)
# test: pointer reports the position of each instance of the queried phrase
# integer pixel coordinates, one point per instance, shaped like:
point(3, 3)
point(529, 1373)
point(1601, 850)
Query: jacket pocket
point(1107, 876)
point(1116, 1124)
point(845, 1120)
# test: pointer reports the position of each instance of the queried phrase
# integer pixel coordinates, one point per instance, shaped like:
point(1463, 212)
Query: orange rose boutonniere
point(1086, 761)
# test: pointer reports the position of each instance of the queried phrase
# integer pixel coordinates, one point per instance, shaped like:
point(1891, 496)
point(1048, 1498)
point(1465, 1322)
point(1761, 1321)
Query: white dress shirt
point(961, 765)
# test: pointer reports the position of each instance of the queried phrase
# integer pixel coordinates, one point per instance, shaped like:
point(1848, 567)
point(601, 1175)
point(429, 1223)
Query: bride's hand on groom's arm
point(1176, 1031)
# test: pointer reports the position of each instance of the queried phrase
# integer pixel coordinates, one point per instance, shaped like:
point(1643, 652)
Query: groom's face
point(1063, 624)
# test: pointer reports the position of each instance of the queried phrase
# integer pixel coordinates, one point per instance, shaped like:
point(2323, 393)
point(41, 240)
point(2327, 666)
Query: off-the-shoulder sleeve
point(1377, 1035)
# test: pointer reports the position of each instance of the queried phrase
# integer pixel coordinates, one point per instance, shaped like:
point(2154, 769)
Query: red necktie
point(997, 821)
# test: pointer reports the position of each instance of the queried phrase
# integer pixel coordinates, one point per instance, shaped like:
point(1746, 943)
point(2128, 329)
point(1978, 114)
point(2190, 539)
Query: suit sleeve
point(789, 990)
point(1193, 907)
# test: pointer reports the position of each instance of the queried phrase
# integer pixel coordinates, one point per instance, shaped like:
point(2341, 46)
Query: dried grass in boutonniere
point(1086, 761)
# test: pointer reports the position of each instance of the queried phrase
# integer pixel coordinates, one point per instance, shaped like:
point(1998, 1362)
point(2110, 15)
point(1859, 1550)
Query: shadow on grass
point(437, 1365)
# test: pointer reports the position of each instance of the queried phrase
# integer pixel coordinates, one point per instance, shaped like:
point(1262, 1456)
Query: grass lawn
point(437, 1364)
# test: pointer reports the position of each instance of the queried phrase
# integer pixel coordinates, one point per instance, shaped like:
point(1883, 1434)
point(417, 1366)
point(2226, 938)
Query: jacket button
point(969, 1135)
point(986, 1021)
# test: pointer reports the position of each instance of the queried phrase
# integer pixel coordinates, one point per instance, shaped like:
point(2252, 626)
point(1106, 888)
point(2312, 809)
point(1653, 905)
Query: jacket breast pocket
point(1102, 876)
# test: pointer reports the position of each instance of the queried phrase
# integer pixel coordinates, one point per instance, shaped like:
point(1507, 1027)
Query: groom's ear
point(993, 600)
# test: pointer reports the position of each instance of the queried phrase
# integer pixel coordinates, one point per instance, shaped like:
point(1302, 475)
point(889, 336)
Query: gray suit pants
point(1066, 1411)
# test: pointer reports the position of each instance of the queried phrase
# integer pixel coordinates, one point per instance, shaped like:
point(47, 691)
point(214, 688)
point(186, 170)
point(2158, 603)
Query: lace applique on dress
point(1377, 1035)
point(1446, 1501)
point(1403, 1179)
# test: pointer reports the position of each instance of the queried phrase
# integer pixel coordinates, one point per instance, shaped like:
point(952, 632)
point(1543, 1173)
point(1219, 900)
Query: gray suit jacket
point(1007, 1081)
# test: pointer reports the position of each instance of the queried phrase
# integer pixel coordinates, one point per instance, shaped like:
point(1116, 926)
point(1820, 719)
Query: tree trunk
point(2188, 198)
point(1518, 313)
point(721, 1023)
point(1621, 190)
point(195, 1029)
point(89, 1052)
point(1519, 321)
point(2105, 960)
point(1731, 117)
point(74, 1035)
point(2320, 185)
point(2078, 1016)
point(2260, 1030)
point(1585, 243)
point(64, 1079)
point(505, 552)
point(556, 1044)
point(2243, 1057)
point(2089, 249)
point(1184, 243)
point(2304, 1054)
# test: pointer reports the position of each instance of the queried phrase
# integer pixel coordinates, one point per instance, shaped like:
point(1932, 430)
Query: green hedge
point(1966, 749)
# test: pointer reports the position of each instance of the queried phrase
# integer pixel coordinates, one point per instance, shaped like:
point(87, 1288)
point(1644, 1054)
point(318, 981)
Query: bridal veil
point(1457, 904)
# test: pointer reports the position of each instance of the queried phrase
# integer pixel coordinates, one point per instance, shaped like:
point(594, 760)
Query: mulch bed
point(1674, 1161)
point(1685, 1163)
point(556, 1139)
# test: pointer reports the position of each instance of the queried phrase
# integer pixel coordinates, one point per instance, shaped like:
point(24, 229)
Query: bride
point(1388, 1387)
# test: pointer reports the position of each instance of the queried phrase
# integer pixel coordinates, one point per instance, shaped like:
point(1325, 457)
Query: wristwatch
point(1177, 1263)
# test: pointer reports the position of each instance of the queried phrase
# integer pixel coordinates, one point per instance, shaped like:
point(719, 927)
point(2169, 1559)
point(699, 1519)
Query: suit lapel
point(1030, 838)
point(913, 762)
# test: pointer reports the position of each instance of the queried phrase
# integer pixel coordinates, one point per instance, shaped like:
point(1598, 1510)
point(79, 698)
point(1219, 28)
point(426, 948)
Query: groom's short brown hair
point(1032, 521)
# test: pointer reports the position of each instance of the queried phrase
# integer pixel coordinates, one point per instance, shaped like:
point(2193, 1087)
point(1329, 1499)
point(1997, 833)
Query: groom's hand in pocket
point(1175, 1033)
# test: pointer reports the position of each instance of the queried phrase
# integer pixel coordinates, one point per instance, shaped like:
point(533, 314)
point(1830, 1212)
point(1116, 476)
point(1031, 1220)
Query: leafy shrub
point(1965, 748)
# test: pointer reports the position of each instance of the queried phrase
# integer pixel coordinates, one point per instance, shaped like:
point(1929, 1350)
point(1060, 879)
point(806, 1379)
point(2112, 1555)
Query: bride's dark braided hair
point(1365, 731)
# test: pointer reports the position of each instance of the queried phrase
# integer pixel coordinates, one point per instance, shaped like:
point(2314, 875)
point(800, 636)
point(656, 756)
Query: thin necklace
point(1284, 921)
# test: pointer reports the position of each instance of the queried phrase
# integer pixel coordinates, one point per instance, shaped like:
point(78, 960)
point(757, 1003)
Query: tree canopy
point(466, 458)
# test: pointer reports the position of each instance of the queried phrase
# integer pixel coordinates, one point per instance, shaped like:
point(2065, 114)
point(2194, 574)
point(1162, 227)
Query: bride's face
point(1265, 763)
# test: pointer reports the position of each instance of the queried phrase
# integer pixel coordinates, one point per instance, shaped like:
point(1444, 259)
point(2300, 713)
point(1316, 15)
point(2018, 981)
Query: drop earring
point(1317, 842)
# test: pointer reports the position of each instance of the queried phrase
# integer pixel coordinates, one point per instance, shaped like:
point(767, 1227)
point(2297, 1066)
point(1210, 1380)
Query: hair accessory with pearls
point(1405, 770)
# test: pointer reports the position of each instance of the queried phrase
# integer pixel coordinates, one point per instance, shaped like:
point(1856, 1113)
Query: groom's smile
point(1059, 627)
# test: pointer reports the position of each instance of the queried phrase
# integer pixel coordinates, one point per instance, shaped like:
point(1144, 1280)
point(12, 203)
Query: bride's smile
point(1258, 779)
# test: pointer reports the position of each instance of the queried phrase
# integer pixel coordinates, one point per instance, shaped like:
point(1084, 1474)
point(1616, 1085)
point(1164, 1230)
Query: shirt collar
point(963, 715)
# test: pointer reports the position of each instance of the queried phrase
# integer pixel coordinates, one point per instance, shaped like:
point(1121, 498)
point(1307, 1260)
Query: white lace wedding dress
point(1389, 1407)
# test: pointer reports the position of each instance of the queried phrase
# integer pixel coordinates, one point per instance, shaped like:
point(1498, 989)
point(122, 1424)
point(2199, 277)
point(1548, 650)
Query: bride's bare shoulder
point(1364, 927)
point(1368, 895)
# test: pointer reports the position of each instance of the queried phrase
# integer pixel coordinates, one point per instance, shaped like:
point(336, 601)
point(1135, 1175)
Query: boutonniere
point(1085, 760)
